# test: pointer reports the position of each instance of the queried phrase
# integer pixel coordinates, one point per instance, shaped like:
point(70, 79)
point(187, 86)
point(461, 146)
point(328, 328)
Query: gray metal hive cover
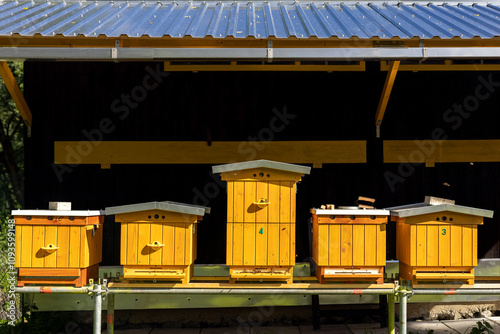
point(417, 209)
point(165, 206)
point(261, 164)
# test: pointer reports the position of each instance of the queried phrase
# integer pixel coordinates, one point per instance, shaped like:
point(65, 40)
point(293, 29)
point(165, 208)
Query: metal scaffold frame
point(402, 292)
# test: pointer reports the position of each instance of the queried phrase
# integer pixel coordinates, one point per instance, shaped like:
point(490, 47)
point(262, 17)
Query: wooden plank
point(84, 248)
point(370, 245)
point(444, 238)
point(432, 245)
point(273, 246)
point(230, 202)
point(467, 245)
point(132, 240)
point(18, 248)
point(26, 246)
point(238, 244)
point(284, 241)
point(123, 243)
point(37, 260)
point(274, 197)
point(474, 245)
point(421, 245)
point(229, 243)
point(346, 245)
point(156, 232)
point(75, 246)
point(249, 223)
point(15, 92)
point(456, 245)
point(413, 245)
point(239, 209)
point(381, 244)
point(323, 240)
point(174, 152)
point(261, 242)
point(442, 151)
point(386, 91)
point(358, 245)
point(168, 251)
point(262, 191)
point(188, 250)
point(62, 254)
point(334, 245)
point(180, 243)
point(143, 239)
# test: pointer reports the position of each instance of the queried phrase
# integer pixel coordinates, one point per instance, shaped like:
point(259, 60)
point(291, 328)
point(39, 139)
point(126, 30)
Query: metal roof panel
point(261, 164)
point(239, 19)
point(164, 206)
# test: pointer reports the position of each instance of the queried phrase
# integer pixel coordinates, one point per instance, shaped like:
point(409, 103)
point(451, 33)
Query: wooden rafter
point(386, 92)
point(15, 92)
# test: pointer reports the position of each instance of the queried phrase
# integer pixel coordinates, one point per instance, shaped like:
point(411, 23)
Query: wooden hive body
point(261, 223)
point(438, 246)
point(157, 244)
point(349, 247)
point(57, 247)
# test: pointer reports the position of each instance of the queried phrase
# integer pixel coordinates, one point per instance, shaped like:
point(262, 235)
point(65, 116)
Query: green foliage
point(482, 327)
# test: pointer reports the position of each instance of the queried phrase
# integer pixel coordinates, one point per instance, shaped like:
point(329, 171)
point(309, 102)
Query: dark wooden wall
point(68, 98)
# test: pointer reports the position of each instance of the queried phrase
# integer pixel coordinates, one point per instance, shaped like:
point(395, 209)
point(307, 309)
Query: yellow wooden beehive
point(58, 247)
point(437, 242)
point(158, 240)
point(261, 219)
point(349, 245)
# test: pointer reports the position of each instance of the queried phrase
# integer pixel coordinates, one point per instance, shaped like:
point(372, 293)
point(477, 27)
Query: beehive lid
point(417, 209)
point(189, 209)
point(58, 213)
point(261, 164)
point(352, 212)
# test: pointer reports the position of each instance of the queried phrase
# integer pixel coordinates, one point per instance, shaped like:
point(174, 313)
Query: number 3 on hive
point(444, 231)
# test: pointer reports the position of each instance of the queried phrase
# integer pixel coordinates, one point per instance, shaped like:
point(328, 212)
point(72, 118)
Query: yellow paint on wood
point(432, 245)
point(156, 234)
point(85, 249)
point(369, 245)
point(334, 251)
point(51, 239)
point(346, 245)
point(38, 256)
point(442, 151)
point(180, 246)
point(467, 244)
point(322, 236)
point(381, 244)
point(249, 243)
point(229, 242)
point(261, 243)
point(26, 245)
point(474, 245)
point(18, 249)
point(133, 243)
point(456, 245)
point(123, 244)
point(143, 239)
point(76, 246)
point(237, 244)
point(444, 237)
point(174, 152)
point(168, 251)
point(274, 197)
point(62, 256)
point(358, 245)
point(421, 245)
point(273, 252)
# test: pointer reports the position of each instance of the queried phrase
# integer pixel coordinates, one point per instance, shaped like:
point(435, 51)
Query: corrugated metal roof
point(250, 19)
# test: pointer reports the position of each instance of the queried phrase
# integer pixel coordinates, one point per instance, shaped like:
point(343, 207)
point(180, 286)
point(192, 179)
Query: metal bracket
point(270, 52)
point(114, 54)
point(425, 53)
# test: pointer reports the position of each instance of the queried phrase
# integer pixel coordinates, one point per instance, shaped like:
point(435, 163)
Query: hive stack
point(58, 246)
point(437, 242)
point(158, 240)
point(261, 219)
point(349, 245)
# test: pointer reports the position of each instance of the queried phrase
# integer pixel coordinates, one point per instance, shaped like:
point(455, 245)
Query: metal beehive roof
point(243, 19)
point(164, 206)
point(422, 209)
point(261, 164)
point(58, 213)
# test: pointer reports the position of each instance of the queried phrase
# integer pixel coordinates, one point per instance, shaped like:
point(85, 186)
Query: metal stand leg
point(110, 318)
point(315, 312)
point(382, 304)
point(97, 308)
point(391, 328)
point(403, 299)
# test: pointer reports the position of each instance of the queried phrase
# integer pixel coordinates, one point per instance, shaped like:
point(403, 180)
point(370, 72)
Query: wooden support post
point(386, 93)
point(15, 92)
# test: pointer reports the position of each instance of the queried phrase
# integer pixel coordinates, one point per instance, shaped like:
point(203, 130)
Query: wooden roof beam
point(386, 93)
point(15, 92)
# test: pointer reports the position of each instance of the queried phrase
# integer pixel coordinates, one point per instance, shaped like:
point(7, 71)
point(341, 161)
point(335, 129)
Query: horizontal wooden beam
point(432, 151)
point(446, 65)
point(107, 153)
point(15, 92)
point(242, 67)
